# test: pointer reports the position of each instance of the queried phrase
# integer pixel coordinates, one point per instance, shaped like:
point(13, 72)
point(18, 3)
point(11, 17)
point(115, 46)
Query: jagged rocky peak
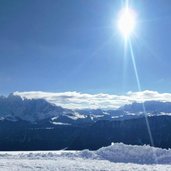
point(28, 109)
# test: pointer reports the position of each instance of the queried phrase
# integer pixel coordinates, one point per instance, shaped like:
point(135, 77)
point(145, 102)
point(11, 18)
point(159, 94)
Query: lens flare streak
point(139, 89)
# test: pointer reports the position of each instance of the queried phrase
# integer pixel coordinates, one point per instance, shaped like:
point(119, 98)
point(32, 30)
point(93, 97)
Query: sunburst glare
point(126, 22)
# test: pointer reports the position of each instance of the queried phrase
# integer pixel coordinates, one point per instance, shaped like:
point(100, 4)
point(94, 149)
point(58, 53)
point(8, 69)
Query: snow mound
point(119, 152)
point(122, 153)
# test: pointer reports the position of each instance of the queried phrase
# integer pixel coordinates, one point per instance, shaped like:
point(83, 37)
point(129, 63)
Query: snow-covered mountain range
point(15, 107)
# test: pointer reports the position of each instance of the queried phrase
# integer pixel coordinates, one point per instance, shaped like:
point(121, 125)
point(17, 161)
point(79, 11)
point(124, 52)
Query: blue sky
point(64, 45)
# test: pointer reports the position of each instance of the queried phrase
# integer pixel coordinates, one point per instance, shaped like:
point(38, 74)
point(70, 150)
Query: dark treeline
point(22, 135)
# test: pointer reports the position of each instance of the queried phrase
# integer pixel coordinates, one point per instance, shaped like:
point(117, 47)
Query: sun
point(127, 22)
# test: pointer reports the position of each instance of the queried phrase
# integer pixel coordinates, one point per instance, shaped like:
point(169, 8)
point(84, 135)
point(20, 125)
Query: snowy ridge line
point(117, 152)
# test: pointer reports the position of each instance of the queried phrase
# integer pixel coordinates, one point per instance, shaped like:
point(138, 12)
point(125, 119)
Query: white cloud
point(77, 100)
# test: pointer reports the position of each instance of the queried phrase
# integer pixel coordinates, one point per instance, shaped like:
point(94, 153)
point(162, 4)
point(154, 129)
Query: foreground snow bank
point(117, 152)
point(118, 157)
point(74, 164)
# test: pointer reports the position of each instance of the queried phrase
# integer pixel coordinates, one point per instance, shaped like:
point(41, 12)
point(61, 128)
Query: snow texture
point(118, 157)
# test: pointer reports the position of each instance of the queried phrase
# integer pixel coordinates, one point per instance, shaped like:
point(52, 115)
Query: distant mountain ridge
point(14, 107)
point(150, 106)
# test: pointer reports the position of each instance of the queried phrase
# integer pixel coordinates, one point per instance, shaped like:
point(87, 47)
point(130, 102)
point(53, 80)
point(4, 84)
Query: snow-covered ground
point(118, 156)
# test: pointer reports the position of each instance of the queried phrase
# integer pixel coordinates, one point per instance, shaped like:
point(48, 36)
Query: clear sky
point(74, 45)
